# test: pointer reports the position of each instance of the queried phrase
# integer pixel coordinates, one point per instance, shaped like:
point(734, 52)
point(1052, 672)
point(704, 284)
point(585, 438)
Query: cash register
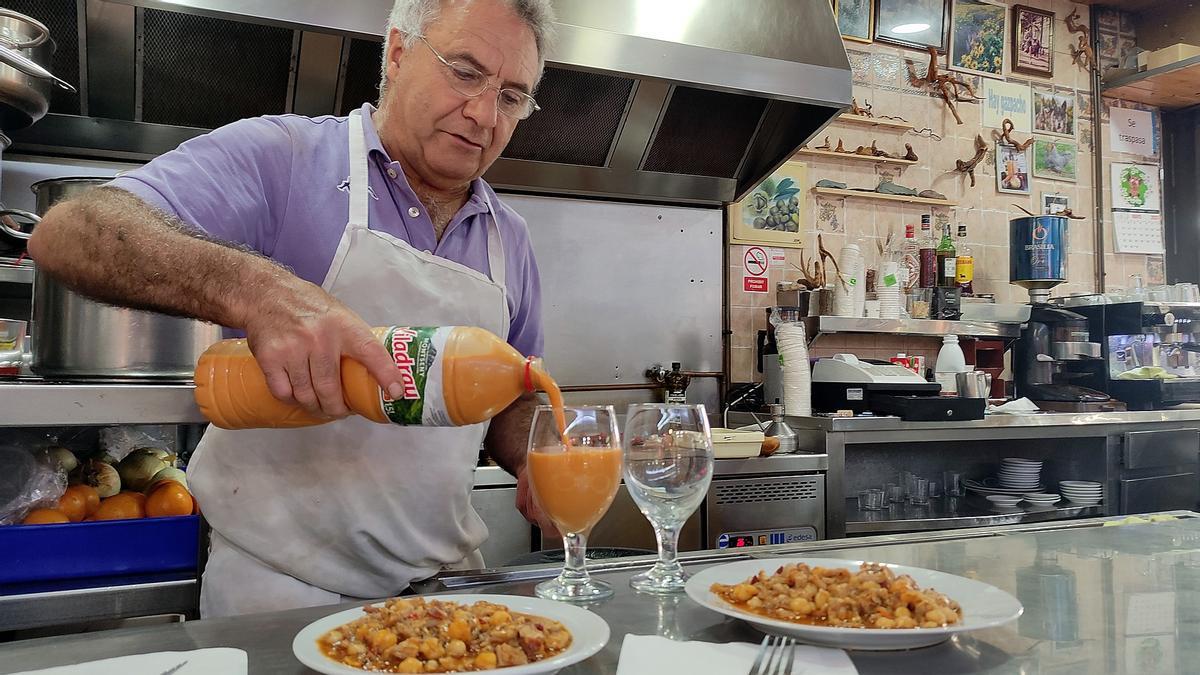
point(846, 382)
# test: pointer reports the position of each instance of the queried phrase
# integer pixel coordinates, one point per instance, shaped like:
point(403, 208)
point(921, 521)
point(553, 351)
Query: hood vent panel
point(704, 133)
point(360, 75)
point(185, 83)
point(580, 116)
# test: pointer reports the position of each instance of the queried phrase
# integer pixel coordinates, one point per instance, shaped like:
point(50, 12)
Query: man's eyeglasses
point(468, 81)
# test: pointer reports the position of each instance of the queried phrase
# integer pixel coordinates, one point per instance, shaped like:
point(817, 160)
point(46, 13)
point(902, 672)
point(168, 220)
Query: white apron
point(352, 508)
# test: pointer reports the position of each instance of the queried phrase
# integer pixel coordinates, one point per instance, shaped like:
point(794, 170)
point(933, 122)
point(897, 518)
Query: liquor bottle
point(946, 274)
point(927, 254)
point(964, 267)
point(453, 375)
point(910, 257)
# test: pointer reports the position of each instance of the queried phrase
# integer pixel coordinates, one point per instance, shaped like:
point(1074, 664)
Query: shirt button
point(392, 173)
point(428, 252)
point(413, 212)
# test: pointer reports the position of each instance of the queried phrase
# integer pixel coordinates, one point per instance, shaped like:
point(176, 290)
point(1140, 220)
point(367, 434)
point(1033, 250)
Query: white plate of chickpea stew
point(852, 604)
point(512, 634)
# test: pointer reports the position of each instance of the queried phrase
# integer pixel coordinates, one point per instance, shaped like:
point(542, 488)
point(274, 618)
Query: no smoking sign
point(754, 269)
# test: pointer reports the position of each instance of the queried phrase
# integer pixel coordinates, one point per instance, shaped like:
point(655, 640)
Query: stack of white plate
point(1082, 492)
point(1020, 474)
point(1042, 498)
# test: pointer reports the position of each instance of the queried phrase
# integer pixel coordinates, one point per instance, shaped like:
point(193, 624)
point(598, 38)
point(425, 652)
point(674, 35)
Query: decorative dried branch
point(825, 145)
point(951, 89)
point(1083, 56)
point(968, 166)
point(1007, 127)
point(1067, 213)
point(856, 109)
point(910, 155)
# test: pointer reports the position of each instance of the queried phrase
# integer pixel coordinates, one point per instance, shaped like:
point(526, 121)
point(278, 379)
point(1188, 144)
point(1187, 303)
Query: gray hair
point(412, 17)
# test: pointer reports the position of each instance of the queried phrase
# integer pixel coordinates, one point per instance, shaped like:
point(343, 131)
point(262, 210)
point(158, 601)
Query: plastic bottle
point(950, 360)
point(964, 267)
point(453, 375)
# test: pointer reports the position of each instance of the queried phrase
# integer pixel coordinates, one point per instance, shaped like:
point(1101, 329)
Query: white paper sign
point(1131, 131)
point(778, 257)
point(1136, 187)
point(1138, 232)
point(1006, 100)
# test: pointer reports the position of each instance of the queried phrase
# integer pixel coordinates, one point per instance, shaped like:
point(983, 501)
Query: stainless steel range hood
point(665, 100)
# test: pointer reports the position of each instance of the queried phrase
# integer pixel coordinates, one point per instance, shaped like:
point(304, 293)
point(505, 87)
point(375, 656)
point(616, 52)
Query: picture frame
point(1032, 41)
point(1054, 112)
point(1056, 159)
point(756, 218)
point(856, 20)
point(1136, 187)
point(976, 45)
point(899, 22)
point(1054, 203)
point(1012, 169)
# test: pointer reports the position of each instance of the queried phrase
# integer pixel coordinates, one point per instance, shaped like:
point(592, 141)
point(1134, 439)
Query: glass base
point(660, 579)
point(573, 590)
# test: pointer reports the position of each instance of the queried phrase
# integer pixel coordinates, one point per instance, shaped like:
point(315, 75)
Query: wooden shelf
point(863, 120)
point(858, 194)
point(1175, 85)
point(853, 157)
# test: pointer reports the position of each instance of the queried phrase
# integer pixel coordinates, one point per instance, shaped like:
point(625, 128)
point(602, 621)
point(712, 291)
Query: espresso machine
point(1055, 351)
point(1150, 350)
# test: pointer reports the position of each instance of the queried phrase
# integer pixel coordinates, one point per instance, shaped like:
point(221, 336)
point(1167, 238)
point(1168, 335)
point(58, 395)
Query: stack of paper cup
point(887, 288)
point(850, 285)
point(797, 378)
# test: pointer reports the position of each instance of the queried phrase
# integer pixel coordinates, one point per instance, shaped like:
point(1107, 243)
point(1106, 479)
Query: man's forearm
point(112, 246)
point(508, 435)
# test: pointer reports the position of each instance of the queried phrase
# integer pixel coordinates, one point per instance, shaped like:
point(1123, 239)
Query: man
point(384, 219)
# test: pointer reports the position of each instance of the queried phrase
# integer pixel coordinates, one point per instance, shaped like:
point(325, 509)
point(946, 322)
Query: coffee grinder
point(1055, 345)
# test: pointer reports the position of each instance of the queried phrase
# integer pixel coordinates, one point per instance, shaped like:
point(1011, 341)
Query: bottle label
point(965, 269)
point(417, 352)
point(949, 271)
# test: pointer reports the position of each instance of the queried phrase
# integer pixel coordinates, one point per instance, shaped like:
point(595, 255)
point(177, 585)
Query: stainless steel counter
point(494, 476)
point(1097, 600)
point(1189, 413)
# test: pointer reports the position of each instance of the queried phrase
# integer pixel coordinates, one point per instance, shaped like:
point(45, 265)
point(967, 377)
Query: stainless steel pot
point(77, 338)
point(25, 84)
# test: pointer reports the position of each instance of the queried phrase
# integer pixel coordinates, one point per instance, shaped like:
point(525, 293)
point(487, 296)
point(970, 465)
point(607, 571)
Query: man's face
point(445, 137)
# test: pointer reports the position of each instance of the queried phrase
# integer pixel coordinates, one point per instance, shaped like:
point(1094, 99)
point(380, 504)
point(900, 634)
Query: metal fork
point(776, 656)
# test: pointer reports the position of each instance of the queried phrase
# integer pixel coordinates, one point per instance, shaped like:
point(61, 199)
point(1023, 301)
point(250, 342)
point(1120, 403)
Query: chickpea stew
point(873, 597)
point(414, 635)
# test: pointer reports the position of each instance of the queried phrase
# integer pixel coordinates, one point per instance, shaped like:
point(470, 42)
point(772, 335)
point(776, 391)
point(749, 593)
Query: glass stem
point(668, 546)
point(575, 560)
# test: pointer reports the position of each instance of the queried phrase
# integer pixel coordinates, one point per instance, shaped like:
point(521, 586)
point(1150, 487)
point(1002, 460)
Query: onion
point(169, 473)
point(103, 477)
point(155, 452)
point(138, 468)
point(60, 457)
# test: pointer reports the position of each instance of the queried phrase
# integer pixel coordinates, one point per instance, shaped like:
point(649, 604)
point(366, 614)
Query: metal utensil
point(776, 656)
point(973, 384)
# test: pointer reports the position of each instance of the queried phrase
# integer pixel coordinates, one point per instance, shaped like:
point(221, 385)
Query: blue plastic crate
point(36, 553)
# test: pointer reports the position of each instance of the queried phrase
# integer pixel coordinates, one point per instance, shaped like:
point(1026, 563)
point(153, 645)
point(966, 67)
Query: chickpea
point(500, 617)
point(743, 592)
point(456, 648)
point(410, 665)
point(485, 660)
point(431, 648)
point(459, 630)
point(382, 640)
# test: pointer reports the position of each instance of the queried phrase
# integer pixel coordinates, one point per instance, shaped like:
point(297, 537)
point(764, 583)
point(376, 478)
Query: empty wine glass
point(574, 486)
point(668, 467)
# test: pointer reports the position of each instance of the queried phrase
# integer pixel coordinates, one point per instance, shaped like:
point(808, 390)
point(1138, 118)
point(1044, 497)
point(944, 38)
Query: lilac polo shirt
point(279, 184)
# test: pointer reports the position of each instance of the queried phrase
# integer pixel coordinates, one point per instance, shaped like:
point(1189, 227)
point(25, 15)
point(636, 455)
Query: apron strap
point(497, 266)
point(359, 176)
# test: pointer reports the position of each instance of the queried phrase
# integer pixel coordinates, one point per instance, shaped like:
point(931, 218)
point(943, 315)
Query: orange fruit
point(90, 497)
point(120, 506)
point(139, 497)
point(78, 502)
point(169, 498)
point(45, 517)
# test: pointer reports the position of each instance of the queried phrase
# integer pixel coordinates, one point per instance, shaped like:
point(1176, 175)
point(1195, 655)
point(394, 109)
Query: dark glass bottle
point(947, 272)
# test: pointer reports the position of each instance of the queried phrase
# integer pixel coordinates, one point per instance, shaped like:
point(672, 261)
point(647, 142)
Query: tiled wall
point(881, 79)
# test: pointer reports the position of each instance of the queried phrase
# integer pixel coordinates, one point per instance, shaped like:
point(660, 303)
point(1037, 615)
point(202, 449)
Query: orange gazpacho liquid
point(574, 486)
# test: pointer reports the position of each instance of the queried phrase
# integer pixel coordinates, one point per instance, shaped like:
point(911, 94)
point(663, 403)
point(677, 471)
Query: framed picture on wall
point(912, 23)
point(856, 19)
point(1012, 169)
point(1054, 203)
point(1054, 113)
point(977, 37)
point(773, 212)
point(1055, 159)
point(1032, 41)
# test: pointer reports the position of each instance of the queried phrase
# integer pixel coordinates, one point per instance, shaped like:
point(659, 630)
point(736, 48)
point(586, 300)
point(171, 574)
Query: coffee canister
point(1037, 252)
